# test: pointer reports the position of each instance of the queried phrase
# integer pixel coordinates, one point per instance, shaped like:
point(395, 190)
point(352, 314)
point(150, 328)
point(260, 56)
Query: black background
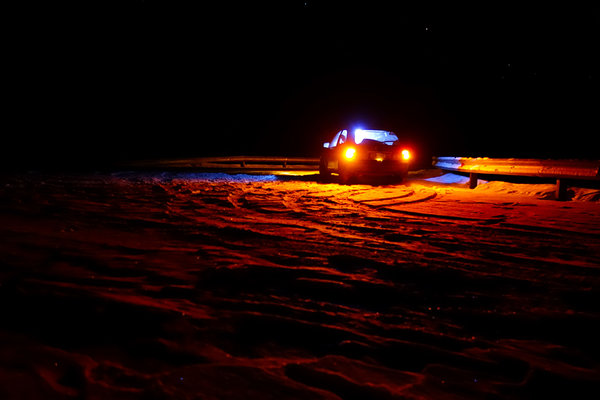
point(94, 83)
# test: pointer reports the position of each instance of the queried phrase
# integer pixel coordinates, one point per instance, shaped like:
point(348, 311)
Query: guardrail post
point(561, 190)
point(473, 180)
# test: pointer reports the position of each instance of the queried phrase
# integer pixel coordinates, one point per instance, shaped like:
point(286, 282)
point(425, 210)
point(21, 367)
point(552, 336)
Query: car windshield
point(386, 137)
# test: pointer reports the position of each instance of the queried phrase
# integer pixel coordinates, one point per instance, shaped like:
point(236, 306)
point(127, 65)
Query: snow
point(198, 176)
point(516, 190)
point(185, 285)
point(449, 179)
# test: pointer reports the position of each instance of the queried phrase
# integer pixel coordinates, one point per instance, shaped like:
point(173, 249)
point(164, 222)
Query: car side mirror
point(326, 145)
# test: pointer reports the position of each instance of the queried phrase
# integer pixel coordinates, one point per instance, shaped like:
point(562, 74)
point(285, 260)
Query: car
point(364, 153)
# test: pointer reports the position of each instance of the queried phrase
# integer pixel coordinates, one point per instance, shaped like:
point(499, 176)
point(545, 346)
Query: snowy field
point(211, 286)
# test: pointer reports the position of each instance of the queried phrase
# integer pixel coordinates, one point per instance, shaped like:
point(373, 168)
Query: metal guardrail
point(561, 170)
point(256, 163)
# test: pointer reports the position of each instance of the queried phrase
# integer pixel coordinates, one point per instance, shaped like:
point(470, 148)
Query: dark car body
point(364, 153)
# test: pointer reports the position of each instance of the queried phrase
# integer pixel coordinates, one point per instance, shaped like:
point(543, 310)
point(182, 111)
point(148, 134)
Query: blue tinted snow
point(449, 179)
point(222, 177)
point(199, 176)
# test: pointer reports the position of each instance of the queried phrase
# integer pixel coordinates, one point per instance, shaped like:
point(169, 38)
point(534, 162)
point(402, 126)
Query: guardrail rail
point(561, 170)
point(256, 163)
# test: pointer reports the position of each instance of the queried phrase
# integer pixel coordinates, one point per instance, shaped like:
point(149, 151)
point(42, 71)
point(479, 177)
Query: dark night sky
point(100, 82)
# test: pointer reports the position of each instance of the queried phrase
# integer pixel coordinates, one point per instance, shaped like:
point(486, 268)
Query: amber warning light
point(405, 155)
point(350, 153)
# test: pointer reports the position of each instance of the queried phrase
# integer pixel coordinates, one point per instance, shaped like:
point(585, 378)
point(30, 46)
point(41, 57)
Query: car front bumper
point(376, 168)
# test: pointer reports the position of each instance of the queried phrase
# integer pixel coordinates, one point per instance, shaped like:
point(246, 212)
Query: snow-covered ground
point(540, 191)
point(183, 285)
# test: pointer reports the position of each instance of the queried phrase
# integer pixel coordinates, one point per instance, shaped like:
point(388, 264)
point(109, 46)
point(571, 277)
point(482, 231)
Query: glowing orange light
point(350, 153)
point(405, 155)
